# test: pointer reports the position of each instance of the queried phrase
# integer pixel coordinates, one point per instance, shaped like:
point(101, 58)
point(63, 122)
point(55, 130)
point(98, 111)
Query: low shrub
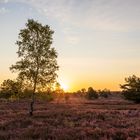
point(104, 93)
point(45, 96)
point(91, 94)
point(119, 135)
point(5, 94)
point(132, 95)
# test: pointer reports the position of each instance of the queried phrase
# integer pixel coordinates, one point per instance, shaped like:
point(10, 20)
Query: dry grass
point(75, 119)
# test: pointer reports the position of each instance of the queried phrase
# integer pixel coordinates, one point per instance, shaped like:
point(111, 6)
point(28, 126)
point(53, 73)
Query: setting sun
point(64, 86)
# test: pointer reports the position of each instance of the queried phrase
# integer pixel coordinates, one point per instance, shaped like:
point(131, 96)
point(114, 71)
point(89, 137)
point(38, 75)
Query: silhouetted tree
point(83, 90)
point(37, 62)
point(104, 93)
point(59, 92)
point(131, 90)
point(91, 93)
point(10, 88)
point(58, 88)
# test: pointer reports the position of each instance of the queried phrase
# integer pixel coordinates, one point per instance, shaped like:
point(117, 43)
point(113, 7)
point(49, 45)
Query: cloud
point(4, 1)
point(72, 40)
point(112, 15)
point(71, 35)
point(3, 10)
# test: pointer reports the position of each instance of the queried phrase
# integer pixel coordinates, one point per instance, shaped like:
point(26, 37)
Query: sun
point(64, 86)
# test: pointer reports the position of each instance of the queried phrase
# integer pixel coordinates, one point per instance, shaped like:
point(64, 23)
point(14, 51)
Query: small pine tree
point(131, 90)
point(104, 93)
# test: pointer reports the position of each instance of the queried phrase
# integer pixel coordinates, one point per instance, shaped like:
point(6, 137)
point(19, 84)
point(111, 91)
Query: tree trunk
point(33, 100)
point(33, 94)
point(31, 108)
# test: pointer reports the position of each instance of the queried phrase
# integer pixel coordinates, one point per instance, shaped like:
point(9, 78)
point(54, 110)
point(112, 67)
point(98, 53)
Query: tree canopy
point(37, 62)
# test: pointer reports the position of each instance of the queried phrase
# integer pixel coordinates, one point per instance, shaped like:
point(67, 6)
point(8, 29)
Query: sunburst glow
point(64, 86)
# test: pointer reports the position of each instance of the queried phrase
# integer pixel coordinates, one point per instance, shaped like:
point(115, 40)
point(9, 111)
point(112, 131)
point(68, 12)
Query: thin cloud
point(4, 1)
point(73, 40)
point(111, 15)
point(3, 10)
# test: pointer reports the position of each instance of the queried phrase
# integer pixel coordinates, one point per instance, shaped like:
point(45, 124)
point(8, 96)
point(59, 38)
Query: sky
point(98, 41)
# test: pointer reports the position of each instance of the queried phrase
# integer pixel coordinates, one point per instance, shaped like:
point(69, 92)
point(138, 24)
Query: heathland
point(71, 117)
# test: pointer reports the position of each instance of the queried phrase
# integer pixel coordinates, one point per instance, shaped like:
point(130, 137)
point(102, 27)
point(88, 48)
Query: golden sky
point(98, 42)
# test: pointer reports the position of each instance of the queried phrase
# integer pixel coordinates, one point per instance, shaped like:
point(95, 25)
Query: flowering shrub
point(102, 119)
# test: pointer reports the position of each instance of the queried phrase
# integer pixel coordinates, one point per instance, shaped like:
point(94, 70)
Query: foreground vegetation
point(71, 118)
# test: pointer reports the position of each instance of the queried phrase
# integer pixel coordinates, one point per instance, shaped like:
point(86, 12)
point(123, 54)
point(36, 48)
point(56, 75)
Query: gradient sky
point(98, 41)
